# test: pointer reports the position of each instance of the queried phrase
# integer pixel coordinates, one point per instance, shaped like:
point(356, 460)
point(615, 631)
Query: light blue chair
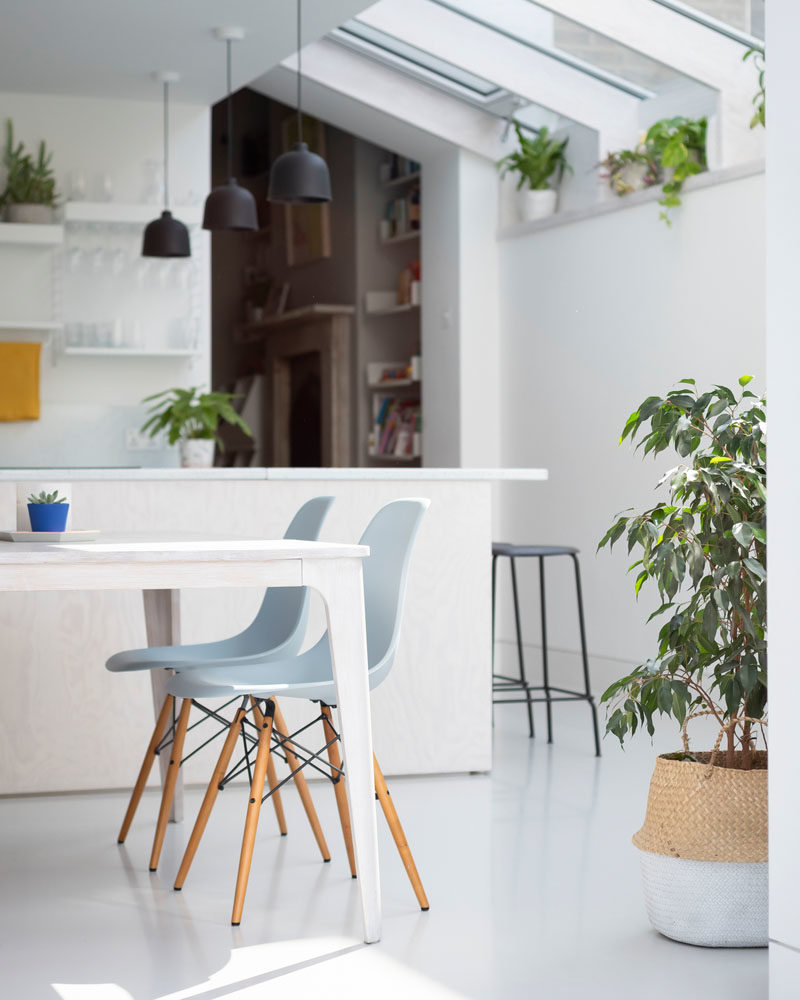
point(309, 675)
point(277, 630)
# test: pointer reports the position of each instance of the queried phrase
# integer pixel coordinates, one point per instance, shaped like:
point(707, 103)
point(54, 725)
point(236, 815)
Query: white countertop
point(251, 474)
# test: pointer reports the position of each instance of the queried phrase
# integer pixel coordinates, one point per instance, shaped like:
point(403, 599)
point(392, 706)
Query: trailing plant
point(760, 98)
point(190, 413)
point(677, 143)
point(28, 181)
point(45, 497)
point(704, 549)
point(536, 160)
point(617, 168)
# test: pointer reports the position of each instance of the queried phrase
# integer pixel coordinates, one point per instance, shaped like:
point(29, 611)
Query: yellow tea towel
point(19, 381)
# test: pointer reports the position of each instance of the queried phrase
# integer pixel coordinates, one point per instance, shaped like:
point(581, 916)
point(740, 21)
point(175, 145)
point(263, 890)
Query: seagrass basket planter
point(703, 850)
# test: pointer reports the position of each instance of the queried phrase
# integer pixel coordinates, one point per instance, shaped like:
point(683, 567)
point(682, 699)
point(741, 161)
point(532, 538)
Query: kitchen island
point(433, 713)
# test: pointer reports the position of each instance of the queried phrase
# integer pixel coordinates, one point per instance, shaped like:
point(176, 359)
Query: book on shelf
point(402, 214)
point(397, 427)
point(395, 167)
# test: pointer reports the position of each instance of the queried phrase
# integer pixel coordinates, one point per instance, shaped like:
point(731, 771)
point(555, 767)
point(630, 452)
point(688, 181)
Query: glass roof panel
point(544, 30)
point(417, 57)
point(745, 16)
point(454, 80)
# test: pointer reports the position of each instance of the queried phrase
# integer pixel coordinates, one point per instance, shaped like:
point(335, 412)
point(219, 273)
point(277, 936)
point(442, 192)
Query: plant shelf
point(44, 325)
point(31, 234)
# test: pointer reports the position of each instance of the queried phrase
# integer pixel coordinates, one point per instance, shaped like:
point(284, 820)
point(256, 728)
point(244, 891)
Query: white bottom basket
point(718, 904)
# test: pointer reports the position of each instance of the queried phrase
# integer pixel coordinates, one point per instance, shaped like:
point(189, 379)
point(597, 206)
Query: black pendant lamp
point(165, 236)
point(299, 176)
point(230, 206)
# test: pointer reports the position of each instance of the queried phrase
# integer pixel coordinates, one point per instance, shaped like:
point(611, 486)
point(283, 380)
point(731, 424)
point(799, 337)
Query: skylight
point(741, 20)
point(570, 42)
point(423, 61)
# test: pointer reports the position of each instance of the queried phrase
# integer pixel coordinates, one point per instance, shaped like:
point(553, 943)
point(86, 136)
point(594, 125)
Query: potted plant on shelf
point(540, 163)
point(48, 511)
point(629, 170)
point(30, 193)
point(703, 845)
point(191, 418)
point(679, 146)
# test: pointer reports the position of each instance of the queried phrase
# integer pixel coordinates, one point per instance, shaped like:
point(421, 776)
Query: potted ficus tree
point(30, 193)
point(191, 418)
point(703, 845)
point(540, 163)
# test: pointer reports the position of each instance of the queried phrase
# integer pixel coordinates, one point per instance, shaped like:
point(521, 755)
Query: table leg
point(162, 620)
point(340, 583)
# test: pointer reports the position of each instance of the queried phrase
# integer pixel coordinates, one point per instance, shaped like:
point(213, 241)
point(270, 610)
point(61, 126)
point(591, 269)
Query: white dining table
point(162, 565)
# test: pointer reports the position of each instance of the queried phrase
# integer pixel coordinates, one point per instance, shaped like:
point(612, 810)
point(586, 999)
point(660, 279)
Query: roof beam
point(512, 65)
point(396, 98)
point(688, 47)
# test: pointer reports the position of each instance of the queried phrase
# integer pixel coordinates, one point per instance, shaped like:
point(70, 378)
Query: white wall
point(459, 311)
point(88, 403)
point(783, 222)
point(596, 316)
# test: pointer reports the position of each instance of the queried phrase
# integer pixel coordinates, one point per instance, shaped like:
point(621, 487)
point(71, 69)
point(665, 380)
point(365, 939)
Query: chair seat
point(509, 549)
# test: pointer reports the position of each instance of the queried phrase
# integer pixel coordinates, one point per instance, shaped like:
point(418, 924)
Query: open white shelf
point(111, 212)
point(128, 352)
point(31, 234)
point(412, 234)
point(390, 310)
point(44, 325)
point(403, 179)
point(394, 458)
point(398, 383)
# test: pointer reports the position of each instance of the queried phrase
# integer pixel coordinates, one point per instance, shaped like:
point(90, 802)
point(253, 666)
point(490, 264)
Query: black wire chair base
point(280, 744)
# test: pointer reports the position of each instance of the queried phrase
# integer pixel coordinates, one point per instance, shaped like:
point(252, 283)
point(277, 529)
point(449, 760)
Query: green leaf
point(743, 534)
point(743, 381)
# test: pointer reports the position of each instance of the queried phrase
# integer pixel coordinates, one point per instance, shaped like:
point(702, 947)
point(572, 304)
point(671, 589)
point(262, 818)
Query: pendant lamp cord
point(166, 146)
point(230, 110)
point(299, 75)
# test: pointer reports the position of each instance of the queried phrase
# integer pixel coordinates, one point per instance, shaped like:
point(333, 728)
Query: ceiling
point(109, 49)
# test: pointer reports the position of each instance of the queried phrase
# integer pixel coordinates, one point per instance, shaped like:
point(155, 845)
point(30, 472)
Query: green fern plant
point(536, 161)
point(190, 413)
point(29, 181)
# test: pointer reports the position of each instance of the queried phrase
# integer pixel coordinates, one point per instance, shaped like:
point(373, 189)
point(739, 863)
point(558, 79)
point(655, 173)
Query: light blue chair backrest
point(390, 536)
point(280, 623)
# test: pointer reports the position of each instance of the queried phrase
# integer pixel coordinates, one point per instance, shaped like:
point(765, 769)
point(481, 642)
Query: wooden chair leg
point(253, 810)
point(302, 788)
point(147, 765)
point(392, 819)
point(338, 787)
point(272, 777)
point(210, 798)
point(176, 751)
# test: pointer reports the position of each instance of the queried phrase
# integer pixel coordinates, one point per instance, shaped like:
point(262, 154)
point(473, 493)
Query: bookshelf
point(389, 315)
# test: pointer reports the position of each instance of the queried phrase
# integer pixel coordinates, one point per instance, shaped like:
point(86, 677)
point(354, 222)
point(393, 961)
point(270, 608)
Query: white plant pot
point(536, 204)
point(41, 214)
point(717, 904)
point(197, 453)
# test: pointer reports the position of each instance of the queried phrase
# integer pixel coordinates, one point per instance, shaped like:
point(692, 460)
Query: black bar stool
point(503, 685)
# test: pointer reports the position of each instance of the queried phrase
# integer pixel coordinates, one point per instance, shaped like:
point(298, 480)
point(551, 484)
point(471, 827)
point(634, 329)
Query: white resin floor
point(532, 880)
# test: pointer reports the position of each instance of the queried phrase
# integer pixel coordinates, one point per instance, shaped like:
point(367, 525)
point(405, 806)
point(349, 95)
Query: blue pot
point(48, 516)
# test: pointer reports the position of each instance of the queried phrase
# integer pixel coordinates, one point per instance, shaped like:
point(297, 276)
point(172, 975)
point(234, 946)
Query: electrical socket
point(136, 441)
